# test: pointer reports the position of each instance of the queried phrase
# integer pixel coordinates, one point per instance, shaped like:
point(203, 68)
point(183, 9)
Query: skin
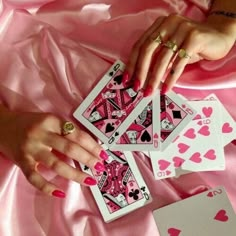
point(153, 62)
point(27, 138)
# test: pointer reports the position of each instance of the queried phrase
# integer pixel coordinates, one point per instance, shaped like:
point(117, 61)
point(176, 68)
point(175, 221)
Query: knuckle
point(56, 165)
point(195, 35)
point(184, 25)
point(172, 17)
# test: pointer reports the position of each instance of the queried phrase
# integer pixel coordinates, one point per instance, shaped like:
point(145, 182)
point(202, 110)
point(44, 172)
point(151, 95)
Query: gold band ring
point(171, 45)
point(68, 128)
point(183, 54)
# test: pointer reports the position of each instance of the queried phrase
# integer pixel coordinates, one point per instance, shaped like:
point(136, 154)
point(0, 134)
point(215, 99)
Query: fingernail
point(234, 142)
point(90, 181)
point(99, 167)
point(136, 85)
point(148, 91)
point(125, 77)
point(103, 155)
point(58, 193)
point(164, 89)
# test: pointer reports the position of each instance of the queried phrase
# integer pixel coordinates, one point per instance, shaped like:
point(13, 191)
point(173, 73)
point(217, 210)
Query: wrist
point(223, 23)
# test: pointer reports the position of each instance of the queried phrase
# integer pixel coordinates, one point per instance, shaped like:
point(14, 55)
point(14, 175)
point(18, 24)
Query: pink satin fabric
point(52, 54)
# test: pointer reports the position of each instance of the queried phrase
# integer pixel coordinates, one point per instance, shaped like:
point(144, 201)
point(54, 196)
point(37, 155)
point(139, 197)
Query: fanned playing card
point(121, 188)
point(144, 132)
point(207, 214)
point(175, 115)
point(197, 148)
point(111, 106)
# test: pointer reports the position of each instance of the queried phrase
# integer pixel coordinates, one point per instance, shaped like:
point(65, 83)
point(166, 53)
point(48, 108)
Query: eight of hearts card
point(205, 214)
point(144, 132)
point(120, 188)
point(111, 106)
point(197, 148)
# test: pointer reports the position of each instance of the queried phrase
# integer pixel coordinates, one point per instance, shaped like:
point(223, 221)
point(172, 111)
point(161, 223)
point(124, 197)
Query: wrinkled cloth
point(53, 52)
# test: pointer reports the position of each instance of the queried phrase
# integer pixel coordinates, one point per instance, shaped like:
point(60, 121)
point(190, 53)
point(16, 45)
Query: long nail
point(58, 193)
point(90, 181)
point(148, 91)
point(99, 167)
point(103, 155)
point(125, 77)
point(164, 89)
point(136, 86)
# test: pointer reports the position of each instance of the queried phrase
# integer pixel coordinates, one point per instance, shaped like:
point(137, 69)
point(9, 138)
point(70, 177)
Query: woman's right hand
point(29, 138)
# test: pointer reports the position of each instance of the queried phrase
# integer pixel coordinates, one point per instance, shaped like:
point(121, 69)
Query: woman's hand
point(29, 138)
point(171, 43)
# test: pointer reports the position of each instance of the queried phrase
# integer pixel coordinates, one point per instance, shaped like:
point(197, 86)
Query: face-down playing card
point(207, 214)
point(175, 114)
point(110, 107)
point(144, 132)
point(120, 188)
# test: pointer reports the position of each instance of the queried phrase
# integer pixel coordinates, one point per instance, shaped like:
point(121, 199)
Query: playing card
point(111, 106)
point(144, 132)
point(121, 188)
point(227, 123)
point(197, 148)
point(206, 214)
point(175, 115)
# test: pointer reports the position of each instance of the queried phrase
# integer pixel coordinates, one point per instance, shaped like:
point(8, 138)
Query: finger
point(77, 136)
point(88, 143)
point(191, 47)
point(131, 64)
point(167, 55)
point(147, 51)
point(29, 169)
point(74, 151)
point(64, 170)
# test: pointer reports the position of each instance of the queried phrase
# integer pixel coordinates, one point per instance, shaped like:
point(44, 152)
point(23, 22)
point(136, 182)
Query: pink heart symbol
point(207, 111)
point(173, 232)
point(199, 122)
point(210, 194)
point(226, 128)
point(163, 164)
point(178, 161)
point(210, 154)
point(221, 216)
point(196, 157)
point(190, 133)
point(183, 147)
point(155, 135)
point(197, 117)
point(168, 172)
point(204, 130)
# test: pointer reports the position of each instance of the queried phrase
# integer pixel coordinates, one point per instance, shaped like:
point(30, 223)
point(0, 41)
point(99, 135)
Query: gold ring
point(171, 45)
point(157, 39)
point(183, 54)
point(68, 128)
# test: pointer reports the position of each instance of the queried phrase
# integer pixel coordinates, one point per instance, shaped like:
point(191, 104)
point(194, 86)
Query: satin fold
point(53, 53)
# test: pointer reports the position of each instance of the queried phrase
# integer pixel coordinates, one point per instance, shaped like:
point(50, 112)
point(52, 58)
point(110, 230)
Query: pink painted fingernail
point(58, 193)
point(90, 181)
point(136, 85)
point(164, 89)
point(234, 142)
point(125, 77)
point(99, 167)
point(103, 155)
point(148, 91)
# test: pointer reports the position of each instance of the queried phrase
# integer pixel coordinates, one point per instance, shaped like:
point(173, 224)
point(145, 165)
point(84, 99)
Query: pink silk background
point(52, 54)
